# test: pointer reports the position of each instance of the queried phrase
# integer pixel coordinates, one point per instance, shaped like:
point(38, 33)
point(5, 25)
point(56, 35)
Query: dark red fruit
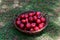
point(18, 19)
point(18, 22)
point(30, 14)
point(22, 16)
point(36, 28)
point(43, 19)
point(31, 30)
point(23, 21)
point(41, 25)
point(35, 17)
point(28, 25)
point(30, 18)
point(39, 16)
point(21, 25)
point(33, 24)
point(26, 19)
point(26, 15)
point(38, 21)
point(33, 13)
point(38, 13)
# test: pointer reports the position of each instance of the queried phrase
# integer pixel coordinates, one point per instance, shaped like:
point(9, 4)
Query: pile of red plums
point(30, 21)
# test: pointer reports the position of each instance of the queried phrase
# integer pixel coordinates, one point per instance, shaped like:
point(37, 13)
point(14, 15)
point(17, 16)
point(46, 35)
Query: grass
point(9, 32)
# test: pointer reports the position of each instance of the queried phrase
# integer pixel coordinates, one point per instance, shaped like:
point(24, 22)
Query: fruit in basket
point(32, 21)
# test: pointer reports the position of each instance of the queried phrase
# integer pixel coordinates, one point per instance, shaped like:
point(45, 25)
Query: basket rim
point(47, 21)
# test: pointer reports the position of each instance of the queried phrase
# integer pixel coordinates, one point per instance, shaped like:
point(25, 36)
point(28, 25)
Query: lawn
point(9, 9)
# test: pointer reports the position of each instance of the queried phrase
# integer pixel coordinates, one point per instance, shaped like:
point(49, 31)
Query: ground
point(9, 9)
